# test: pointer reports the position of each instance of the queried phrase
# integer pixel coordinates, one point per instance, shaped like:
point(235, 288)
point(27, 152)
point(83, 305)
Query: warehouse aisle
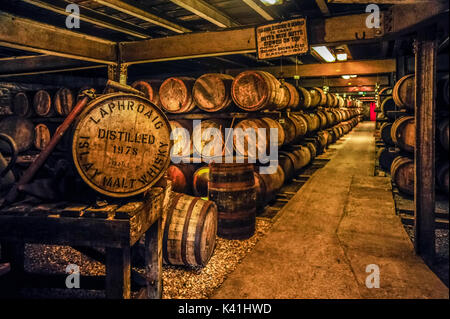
point(340, 221)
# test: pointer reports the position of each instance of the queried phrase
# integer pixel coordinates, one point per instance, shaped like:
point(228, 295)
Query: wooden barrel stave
point(212, 92)
point(402, 173)
point(175, 94)
point(403, 133)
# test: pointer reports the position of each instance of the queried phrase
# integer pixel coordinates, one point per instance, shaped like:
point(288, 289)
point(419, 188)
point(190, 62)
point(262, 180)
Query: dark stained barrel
point(42, 136)
point(404, 92)
point(181, 176)
point(403, 133)
point(190, 229)
point(305, 98)
point(175, 95)
point(385, 133)
point(42, 103)
point(387, 106)
point(402, 173)
point(200, 181)
point(442, 101)
point(20, 130)
point(303, 156)
point(386, 157)
point(258, 90)
point(212, 92)
point(232, 188)
point(443, 133)
point(289, 128)
point(64, 101)
point(267, 185)
point(287, 162)
point(301, 125)
point(22, 104)
point(442, 175)
point(150, 88)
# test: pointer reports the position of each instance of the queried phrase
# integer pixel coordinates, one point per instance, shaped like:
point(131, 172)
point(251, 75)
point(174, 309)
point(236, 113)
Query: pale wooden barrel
point(175, 95)
point(42, 104)
point(190, 229)
point(304, 98)
point(42, 136)
point(267, 185)
point(294, 96)
point(150, 88)
point(403, 133)
point(206, 145)
point(64, 101)
point(212, 92)
point(301, 125)
point(181, 139)
point(271, 123)
point(404, 92)
point(121, 144)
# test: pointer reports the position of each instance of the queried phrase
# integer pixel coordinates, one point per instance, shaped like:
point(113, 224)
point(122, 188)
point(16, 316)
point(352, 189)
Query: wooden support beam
point(260, 10)
point(362, 67)
point(424, 153)
point(28, 35)
point(207, 12)
point(92, 16)
point(36, 64)
point(143, 14)
point(323, 7)
point(191, 45)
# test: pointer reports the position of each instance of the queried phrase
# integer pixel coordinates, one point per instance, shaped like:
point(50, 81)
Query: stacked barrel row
point(399, 135)
point(249, 91)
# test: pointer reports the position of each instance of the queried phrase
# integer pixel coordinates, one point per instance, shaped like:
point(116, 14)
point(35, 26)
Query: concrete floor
point(340, 221)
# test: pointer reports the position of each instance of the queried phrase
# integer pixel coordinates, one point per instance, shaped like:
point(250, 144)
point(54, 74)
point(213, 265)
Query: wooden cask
point(190, 229)
point(402, 173)
point(212, 92)
point(304, 98)
point(387, 106)
point(331, 118)
point(318, 97)
point(442, 175)
point(323, 119)
point(64, 101)
point(42, 136)
point(121, 144)
point(175, 95)
point(181, 176)
point(42, 104)
point(253, 143)
point(301, 125)
point(150, 88)
point(274, 124)
point(287, 162)
point(403, 133)
point(312, 147)
point(385, 158)
point(341, 101)
point(20, 129)
point(303, 155)
point(209, 140)
point(22, 105)
point(403, 92)
point(258, 90)
point(232, 188)
point(181, 135)
point(443, 133)
point(200, 181)
point(289, 128)
point(383, 94)
point(7, 178)
point(267, 186)
point(294, 96)
point(385, 133)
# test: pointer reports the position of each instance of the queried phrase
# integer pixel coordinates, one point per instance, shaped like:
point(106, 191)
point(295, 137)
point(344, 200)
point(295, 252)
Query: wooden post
point(425, 70)
point(153, 260)
point(118, 73)
point(118, 272)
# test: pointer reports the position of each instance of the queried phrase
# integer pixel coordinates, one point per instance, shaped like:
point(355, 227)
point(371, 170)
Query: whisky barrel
point(322, 141)
point(403, 133)
point(258, 90)
point(331, 118)
point(181, 176)
point(208, 138)
point(42, 104)
point(303, 155)
point(329, 99)
point(341, 101)
point(402, 173)
point(121, 144)
point(323, 119)
point(190, 229)
point(181, 136)
point(22, 105)
point(64, 101)
point(383, 94)
point(200, 181)
point(251, 141)
point(287, 162)
point(387, 106)
point(232, 188)
point(385, 158)
point(301, 125)
point(294, 96)
point(312, 147)
point(20, 129)
point(289, 129)
point(212, 92)
point(150, 88)
point(443, 133)
point(175, 95)
point(313, 121)
point(41, 136)
point(274, 124)
point(304, 98)
point(404, 92)
point(267, 185)
point(318, 97)
point(442, 175)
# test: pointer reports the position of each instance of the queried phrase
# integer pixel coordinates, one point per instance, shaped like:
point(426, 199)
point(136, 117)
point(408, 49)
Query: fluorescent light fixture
point(324, 53)
point(346, 77)
point(353, 76)
point(341, 55)
point(271, 2)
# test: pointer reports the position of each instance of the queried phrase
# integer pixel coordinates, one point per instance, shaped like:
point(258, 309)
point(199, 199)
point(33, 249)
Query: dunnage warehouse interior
point(104, 194)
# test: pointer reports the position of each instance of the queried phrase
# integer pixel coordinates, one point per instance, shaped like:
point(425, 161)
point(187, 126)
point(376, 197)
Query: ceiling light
point(272, 2)
point(346, 77)
point(341, 55)
point(353, 76)
point(325, 53)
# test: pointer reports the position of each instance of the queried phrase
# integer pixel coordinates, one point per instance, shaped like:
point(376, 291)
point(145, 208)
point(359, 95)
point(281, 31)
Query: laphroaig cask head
point(121, 144)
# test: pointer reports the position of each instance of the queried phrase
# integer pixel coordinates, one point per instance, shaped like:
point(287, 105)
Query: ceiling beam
point(323, 7)
point(207, 12)
point(92, 16)
point(362, 67)
point(258, 9)
point(143, 14)
point(24, 34)
point(340, 82)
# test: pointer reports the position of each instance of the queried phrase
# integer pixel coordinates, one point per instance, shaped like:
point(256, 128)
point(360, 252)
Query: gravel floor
point(178, 281)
